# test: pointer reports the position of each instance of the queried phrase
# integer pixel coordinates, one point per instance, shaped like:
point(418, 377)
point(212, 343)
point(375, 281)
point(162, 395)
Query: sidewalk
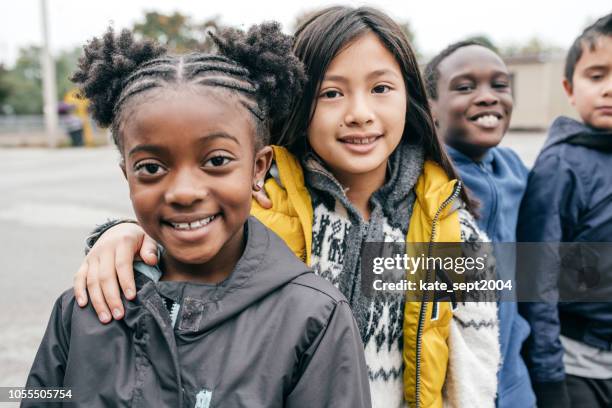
point(40, 139)
point(31, 139)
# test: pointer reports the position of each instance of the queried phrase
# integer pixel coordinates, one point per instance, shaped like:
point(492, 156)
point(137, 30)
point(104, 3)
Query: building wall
point(559, 104)
point(538, 93)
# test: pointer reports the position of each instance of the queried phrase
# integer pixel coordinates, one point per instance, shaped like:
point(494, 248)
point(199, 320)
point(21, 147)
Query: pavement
point(49, 201)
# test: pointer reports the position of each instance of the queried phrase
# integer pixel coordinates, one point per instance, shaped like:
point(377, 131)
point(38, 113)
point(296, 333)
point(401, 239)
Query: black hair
point(320, 38)
point(257, 67)
point(431, 73)
point(588, 38)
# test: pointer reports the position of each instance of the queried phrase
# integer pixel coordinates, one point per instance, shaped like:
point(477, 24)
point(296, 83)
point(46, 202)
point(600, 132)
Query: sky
point(435, 23)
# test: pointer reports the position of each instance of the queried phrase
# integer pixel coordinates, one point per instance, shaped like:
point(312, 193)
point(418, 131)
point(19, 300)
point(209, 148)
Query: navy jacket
point(568, 199)
point(498, 181)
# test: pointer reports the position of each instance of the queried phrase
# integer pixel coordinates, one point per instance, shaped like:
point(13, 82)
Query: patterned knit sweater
point(339, 233)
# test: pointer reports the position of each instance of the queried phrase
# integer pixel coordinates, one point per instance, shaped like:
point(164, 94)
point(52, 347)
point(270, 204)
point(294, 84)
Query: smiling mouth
point(187, 226)
point(359, 140)
point(486, 120)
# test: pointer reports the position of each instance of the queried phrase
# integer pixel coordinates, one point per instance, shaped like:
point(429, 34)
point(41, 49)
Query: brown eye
point(148, 169)
point(217, 161)
point(381, 89)
point(332, 94)
point(152, 168)
point(465, 87)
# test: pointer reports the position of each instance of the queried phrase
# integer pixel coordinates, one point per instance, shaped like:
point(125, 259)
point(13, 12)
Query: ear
point(122, 166)
point(569, 91)
point(263, 161)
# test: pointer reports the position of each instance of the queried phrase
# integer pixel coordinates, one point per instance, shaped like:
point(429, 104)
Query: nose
point(607, 90)
point(185, 188)
point(359, 111)
point(486, 97)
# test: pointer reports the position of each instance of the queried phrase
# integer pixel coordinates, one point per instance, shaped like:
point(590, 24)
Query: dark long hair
point(320, 38)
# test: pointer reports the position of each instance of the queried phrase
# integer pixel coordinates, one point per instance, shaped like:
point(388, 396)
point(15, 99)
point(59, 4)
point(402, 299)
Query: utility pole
point(48, 77)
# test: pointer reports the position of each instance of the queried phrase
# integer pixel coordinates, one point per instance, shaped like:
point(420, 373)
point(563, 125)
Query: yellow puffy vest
point(425, 350)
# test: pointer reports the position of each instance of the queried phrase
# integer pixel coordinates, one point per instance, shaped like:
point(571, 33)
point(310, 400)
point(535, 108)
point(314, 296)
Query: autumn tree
point(177, 31)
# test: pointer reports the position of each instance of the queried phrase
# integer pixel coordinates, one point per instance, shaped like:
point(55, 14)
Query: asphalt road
point(49, 200)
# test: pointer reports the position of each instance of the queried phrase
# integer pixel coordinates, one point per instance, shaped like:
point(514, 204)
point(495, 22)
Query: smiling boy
point(569, 199)
point(471, 100)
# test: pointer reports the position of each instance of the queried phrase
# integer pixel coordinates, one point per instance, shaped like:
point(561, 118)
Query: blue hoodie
point(569, 198)
point(498, 181)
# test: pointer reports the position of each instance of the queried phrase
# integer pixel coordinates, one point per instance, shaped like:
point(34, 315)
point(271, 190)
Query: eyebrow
point(373, 74)
point(146, 148)
point(151, 148)
point(597, 67)
point(335, 78)
point(219, 135)
point(381, 72)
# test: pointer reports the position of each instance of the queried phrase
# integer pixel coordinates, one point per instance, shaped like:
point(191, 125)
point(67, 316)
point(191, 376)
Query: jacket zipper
point(423, 310)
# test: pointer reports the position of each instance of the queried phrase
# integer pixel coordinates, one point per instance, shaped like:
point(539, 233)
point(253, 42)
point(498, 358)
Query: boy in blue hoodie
point(471, 100)
point(569, 199)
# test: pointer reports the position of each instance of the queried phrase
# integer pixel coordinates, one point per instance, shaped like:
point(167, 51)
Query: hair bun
point(105, 64)
point(267, 53)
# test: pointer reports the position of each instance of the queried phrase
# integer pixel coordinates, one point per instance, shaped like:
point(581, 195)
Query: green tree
point(65, 65)
point(26, 83)
point(21, 86)
point(5, 87)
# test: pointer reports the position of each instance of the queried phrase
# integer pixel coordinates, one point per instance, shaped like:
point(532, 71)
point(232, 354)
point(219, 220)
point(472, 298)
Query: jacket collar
point(264, 267)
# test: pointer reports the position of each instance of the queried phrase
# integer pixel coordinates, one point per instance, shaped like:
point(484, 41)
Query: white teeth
point(488, 121)
point(360, 140)
point(192, 225)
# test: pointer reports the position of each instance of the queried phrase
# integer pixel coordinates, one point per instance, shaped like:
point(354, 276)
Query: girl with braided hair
point(357, 161)
point(229, 317)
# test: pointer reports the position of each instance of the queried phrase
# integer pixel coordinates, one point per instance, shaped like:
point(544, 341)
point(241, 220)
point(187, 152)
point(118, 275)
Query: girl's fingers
point(95, 292)
point(262, 198)
point(80, 284)
point(148, 250)
point(124, 264)
point(110, 286)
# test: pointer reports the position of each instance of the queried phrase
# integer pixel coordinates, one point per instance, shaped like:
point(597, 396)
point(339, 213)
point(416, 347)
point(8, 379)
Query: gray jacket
point(271, 335)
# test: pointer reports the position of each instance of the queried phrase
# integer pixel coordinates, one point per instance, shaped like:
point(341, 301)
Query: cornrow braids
point(432, 75)
point(269, 56)
point(116, 71)
point(105, 63)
